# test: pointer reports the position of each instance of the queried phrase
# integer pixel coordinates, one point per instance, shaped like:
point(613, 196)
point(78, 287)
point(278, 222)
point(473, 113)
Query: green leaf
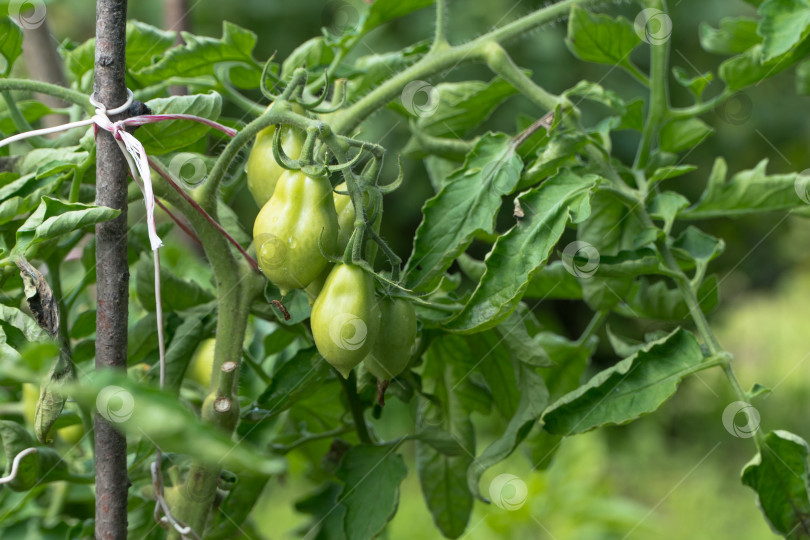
point(38, 468)
point(600, 38)
point(144, 42)
point(633, 387)
point(372, 475)
point(328, 514)
point(52, 397)
point(439, 440)
point(735, 35)
point(24, 323)
point(677, 135)
point(560, 150)
point(177, 294)
point(533, 399)
point(779, 475)
point(460, 107)
point(184, 342)
point(198, 56)
point(444, 478)
point(143, 411)
point(520, 344)
point(747, 192)
point(554, 282)
point(697, 84)
point(751, 66)
point(784, 24)
point(494, 363)
point(612, 227)
point(294, 380)
point(519, 254)
point(382, 11)
point(32, 111)
point(626, 264)
point(172, 135)
point(670, 171)
point(665, 206)
point(313, 53)
point(142, 338)
point(657, 301)
point(11, 38)
point(49, 161)
point(55, 218)
point(698, 247)
point(570, 360)
point(468, 203)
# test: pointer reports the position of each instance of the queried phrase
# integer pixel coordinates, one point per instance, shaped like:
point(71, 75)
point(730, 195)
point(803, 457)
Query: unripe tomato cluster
point(301, 217)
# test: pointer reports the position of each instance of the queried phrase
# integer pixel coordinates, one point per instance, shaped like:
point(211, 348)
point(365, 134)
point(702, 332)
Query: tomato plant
point(263, 342)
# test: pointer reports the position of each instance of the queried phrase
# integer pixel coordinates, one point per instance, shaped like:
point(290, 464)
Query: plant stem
point(112, 269)
point(355, 406)
point(701, 108)
point(659, 96)
point(702, 324)
point(19, 120)
point(65, 94)
point(282, 449)
point(440, 36)
point(502, 64)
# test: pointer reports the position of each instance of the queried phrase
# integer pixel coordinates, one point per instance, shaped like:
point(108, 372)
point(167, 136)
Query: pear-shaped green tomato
point(391, 352)
point(262, 169)
point(345, 317)
point(288, 229)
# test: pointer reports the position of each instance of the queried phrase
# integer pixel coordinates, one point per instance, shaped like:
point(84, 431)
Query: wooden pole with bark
point(111, 267)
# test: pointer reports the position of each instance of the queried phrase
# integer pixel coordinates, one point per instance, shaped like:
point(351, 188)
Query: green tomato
point(392, 351)
point(202, 363)
point(262, 169)
point(345, 317)
point(287, 232)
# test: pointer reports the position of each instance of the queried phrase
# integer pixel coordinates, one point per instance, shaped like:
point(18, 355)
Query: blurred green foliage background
point(671, 475)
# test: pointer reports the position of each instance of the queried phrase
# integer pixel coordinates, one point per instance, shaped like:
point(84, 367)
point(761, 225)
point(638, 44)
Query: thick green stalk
point(659, 96)
point(440, 59)
point(40, 87)
point(237, 286)
point(440, 35)
point(502, 64)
